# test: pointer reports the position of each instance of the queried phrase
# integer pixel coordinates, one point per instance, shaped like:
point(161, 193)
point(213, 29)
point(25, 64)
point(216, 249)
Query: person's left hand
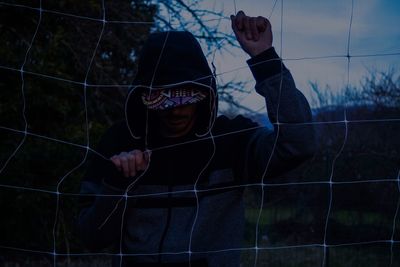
point(253, 33)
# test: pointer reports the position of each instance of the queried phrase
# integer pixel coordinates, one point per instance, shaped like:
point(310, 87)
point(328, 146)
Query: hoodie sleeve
point(270, 153)
point(101, 204)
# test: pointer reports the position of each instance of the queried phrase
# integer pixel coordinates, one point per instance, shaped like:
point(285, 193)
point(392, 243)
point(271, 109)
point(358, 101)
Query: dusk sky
point(312, 29)
point(318, 29)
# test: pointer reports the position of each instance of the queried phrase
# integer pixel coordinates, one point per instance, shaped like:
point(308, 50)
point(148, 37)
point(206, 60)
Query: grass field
point(289, 238)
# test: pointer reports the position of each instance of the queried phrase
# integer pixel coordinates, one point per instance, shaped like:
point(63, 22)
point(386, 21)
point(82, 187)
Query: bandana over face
point(170, 98)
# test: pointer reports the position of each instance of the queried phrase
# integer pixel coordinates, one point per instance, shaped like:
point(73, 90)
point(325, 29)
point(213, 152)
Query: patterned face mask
point(170, 98)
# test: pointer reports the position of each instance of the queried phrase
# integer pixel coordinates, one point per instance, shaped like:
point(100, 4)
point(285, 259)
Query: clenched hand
point(254, 34)
point(130, 163)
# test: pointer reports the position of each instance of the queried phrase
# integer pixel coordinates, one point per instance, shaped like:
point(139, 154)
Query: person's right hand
point(130, 163)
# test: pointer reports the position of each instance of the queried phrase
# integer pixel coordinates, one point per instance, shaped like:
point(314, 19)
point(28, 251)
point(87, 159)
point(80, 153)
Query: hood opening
point(170, 59)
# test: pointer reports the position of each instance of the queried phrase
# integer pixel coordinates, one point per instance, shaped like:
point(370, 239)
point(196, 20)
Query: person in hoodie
point(168, 190)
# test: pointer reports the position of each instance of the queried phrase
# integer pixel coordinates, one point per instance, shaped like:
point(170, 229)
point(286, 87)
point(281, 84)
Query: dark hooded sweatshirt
point(188, 205)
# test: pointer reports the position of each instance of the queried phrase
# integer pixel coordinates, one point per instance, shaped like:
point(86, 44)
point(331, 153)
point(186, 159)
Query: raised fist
point(254, 34)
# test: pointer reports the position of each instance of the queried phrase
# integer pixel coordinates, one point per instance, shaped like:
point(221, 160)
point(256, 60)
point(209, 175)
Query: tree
point(74, 66)
point(360, 211)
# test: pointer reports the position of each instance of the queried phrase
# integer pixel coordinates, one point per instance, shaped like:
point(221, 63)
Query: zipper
point(167, 224)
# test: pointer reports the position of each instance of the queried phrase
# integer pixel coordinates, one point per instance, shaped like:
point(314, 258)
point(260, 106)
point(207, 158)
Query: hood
point(169, 59)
